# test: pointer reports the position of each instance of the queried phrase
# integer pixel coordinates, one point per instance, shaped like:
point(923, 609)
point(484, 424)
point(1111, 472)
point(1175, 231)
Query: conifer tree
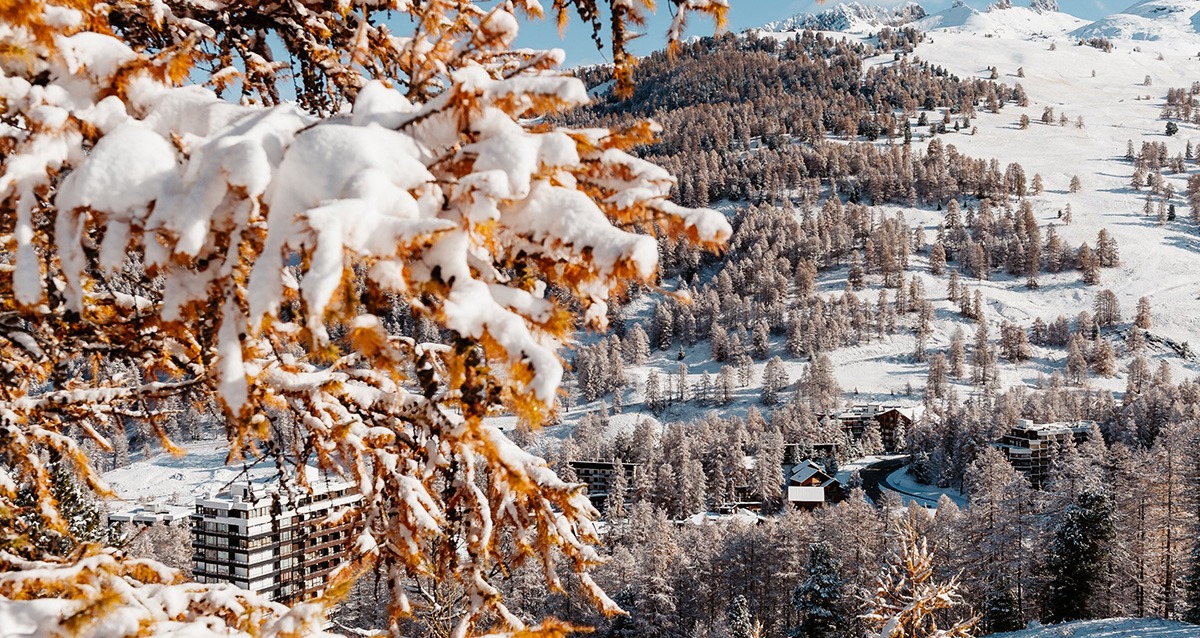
point(741, 625)
point(1142, 319)
point(775, 381)
point(819, 599)
point(1077, 557)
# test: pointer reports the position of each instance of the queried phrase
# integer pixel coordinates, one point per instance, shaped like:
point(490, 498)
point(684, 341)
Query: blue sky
point(744, 14)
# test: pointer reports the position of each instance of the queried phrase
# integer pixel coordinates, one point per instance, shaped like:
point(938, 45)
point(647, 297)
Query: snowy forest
point(380, 242)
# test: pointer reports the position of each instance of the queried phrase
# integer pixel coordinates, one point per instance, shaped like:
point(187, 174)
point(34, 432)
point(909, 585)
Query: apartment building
point(271, 542)
point(599, 475)
point(1030, 446)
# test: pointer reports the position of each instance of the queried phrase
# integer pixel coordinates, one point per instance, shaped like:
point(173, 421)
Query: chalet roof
point(807, 470)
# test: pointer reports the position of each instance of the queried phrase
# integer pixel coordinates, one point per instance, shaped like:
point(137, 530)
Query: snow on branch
point(164, 243)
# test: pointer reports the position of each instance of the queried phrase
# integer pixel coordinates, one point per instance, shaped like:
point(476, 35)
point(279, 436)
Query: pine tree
point(664, 326)
point(1107, 252)
point(1106, 308)
point(937, 260)
point(718, 342)
point(1001, 611)
point(1103, 357)
point(1143, 316)
point(958, 352)
point(618, 492)
point(1077, 557)
point(741, 625)
point(726, 384)
point(1077, 362)
point(819, 599)
point(775, 381)
point(637, 349)
point(654, 393)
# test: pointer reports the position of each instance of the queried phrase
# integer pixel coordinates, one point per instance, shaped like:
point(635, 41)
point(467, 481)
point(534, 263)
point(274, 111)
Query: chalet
point(808, 485)
point(893, 422)
point(598, 476)
point(1030, 446)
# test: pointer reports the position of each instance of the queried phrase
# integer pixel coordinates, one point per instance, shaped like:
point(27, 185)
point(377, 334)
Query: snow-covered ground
point(176, 481)
point(903, 484)
point(1111, 628)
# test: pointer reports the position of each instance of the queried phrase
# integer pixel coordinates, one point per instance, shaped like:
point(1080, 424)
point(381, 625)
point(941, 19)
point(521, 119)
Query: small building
point(808, 485)
point(893, 422)
point(281, 546)
point(598, 476)
point(1030, 446)
point(150, 514)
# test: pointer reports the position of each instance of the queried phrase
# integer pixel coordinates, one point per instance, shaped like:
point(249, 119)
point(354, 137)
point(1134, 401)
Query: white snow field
point(1111, 628)
point(1175, 21)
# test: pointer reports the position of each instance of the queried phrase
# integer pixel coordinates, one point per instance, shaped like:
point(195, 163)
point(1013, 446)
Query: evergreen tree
point(1077, 557)
point(775, 381)
point(637, 348)
point(85, 520)
point(819, 598)
point(741, 625)
point(1001, 609)
point(654, 392)
point(1142, 318)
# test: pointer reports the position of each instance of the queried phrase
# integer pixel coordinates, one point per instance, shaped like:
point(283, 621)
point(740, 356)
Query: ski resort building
point(809, 486)
point(149, 514)
point(893, 422)
point(598, 476)
point(279, 545)
point(1030, 446)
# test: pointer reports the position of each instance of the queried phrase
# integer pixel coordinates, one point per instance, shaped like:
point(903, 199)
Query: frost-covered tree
point(775, 381)
point(637, 345)
point(1142, 319)
point(1077, 557)
point(1106, 308)
point(819, 599)
point(257, 254)
point(909, 601)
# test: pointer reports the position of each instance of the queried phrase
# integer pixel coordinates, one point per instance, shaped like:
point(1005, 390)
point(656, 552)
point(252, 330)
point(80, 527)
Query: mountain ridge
point(1147, 20)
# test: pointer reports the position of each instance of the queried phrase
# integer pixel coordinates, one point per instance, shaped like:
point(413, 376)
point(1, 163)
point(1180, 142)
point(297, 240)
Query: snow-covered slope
point(850, 18)
point(1177, 21)
point(1010, 22)
point(1111, 628)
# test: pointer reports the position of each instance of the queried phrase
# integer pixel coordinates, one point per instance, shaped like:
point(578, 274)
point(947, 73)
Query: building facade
point(598, 476)
point(808, 485)
point(893, 422)
point(1030, 446)
point(280, 546)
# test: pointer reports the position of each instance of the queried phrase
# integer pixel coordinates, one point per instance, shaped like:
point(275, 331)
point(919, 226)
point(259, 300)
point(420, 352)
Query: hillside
point(1106, 92)
point(1010, 22)
point(850, 17)
point(1176, 22)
